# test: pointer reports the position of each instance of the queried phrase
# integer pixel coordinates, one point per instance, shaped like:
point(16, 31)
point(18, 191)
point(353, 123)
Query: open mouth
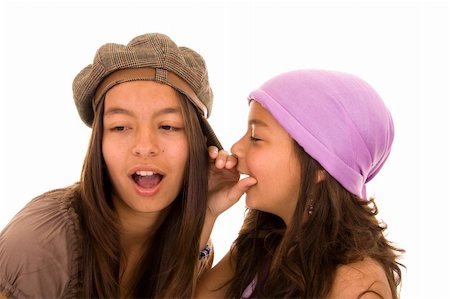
point(147, 179)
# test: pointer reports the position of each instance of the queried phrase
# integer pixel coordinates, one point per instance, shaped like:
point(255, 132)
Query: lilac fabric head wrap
point(337, 118)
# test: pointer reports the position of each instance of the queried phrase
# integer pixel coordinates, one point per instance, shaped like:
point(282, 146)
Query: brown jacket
point(40, 249)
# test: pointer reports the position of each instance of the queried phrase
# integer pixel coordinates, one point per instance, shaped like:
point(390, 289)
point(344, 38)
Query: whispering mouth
point(147, 179)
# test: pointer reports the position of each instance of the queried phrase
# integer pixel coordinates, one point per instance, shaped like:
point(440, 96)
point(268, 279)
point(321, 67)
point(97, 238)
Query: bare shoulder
point(364, 279)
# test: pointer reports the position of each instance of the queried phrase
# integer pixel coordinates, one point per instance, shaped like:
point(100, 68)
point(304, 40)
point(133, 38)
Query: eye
point(118, 128)
point(254, 139)
point(252, 134)
point(169, 128)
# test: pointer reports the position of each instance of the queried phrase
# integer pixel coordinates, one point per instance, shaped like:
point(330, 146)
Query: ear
point(320, 175)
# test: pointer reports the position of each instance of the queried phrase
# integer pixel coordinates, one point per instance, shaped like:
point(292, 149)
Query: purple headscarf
point(337, 118)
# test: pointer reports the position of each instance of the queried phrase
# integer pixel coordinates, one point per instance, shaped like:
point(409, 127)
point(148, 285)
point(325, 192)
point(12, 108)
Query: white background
point(400, 47)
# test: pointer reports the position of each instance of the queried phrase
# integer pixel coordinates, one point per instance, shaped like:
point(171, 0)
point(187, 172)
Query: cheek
point(261, 167)
point(290, 181)
point(106, 152)
point(275, 172)
point(177, 152)
point(112, 153)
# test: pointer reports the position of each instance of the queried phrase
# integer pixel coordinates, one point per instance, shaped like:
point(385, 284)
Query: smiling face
point(145, 146)
point(267, 153)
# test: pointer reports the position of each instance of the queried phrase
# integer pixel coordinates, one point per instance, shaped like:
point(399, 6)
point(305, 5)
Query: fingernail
point(220, 163)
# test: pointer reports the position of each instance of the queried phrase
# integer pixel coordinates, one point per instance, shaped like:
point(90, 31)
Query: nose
point(238, 150)
point(146, 144)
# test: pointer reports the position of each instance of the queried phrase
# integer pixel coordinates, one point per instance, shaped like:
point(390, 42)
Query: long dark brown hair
point(168, 267)
point(301, 261)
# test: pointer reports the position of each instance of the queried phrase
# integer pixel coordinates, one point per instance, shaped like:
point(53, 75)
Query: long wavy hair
point(168, 266)
point(301, 261)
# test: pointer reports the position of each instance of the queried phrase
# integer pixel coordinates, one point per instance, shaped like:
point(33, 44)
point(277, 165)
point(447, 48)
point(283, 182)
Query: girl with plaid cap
point(314, 139)
point(132, 226)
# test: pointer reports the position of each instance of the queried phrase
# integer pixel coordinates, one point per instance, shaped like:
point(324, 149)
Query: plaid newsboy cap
point(151, 56)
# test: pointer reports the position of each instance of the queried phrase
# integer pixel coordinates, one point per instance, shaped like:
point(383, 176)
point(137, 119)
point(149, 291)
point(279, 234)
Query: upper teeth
point(145, 173)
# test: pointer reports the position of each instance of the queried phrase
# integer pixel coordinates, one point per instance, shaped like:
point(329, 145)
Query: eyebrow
point(168, 110)
point(257, 122)
point(118, 110)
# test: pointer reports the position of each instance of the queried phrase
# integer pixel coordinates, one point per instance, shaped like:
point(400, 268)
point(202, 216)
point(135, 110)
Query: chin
point(251, 203)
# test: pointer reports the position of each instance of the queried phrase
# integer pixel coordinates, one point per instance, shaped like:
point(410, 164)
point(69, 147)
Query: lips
point(147, 179)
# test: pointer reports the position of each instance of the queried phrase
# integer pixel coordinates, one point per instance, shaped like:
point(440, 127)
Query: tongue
point(148, 181)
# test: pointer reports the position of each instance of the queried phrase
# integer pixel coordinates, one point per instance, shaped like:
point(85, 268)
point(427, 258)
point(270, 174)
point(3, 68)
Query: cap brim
point(212, 139)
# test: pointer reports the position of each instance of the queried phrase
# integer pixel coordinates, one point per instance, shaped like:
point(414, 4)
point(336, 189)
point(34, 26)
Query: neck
point(137, 228)
point(136, 232)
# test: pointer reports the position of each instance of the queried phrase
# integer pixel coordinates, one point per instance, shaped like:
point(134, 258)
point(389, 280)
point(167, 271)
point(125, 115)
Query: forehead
point(261, 118)
point(258, 115)
point(141, 92)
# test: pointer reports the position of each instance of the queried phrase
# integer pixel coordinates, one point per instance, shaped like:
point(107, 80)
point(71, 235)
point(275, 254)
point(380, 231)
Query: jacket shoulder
point(40, 247)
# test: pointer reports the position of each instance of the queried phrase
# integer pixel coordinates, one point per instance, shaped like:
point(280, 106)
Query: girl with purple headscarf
point(315, 139)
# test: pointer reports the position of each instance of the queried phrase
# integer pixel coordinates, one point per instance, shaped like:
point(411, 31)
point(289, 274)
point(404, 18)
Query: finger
point(247, 182)
point(213, 151)
point(221, 159)
point(241, 187)
point(232, 161)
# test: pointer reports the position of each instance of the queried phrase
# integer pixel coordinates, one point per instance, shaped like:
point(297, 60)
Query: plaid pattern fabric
point(152, 50)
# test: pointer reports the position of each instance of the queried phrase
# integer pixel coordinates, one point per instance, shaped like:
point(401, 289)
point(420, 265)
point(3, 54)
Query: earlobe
point(320, 176)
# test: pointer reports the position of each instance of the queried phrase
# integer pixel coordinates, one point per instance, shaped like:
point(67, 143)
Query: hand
point(224, 186)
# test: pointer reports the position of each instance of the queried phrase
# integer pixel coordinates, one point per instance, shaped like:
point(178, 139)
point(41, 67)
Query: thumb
point(241, 187)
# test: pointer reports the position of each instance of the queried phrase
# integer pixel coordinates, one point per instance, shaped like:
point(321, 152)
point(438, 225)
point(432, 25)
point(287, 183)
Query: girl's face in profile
point(266, 152)
point(145, 146)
